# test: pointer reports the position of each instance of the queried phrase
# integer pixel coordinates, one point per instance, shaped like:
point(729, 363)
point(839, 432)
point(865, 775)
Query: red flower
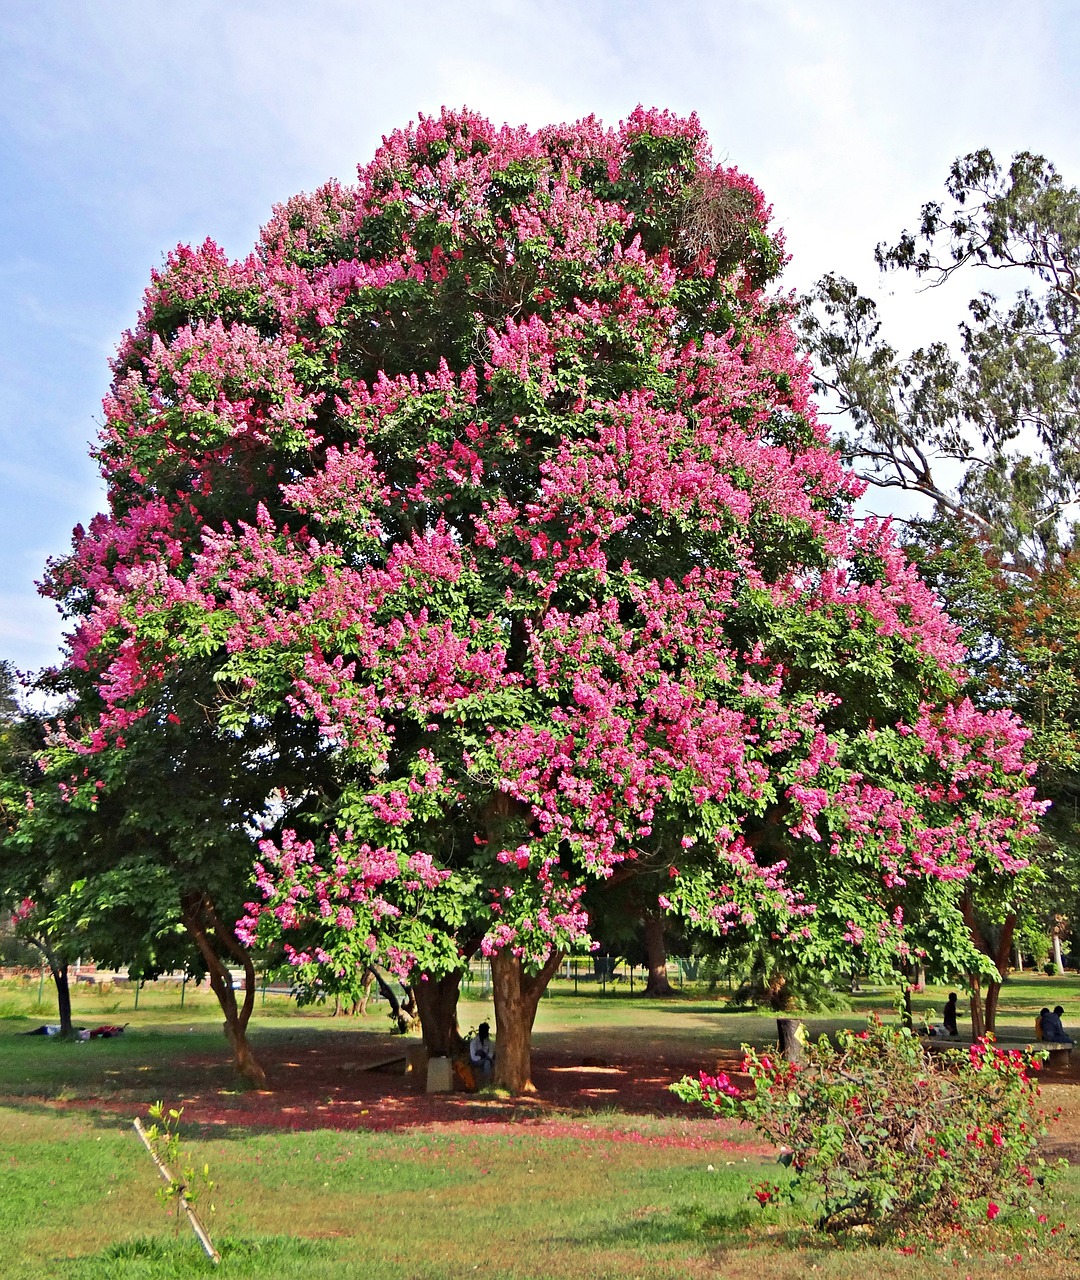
point(992, 1211)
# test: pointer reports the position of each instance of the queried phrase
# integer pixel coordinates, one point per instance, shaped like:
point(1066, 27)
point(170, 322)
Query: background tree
point(482, 519)
point(1002, 419)
point(991, 438)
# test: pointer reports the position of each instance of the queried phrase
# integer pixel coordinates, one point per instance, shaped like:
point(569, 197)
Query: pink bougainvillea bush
point(497, 474)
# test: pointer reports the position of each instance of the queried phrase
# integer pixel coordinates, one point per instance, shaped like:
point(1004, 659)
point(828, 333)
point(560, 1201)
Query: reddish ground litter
point(343, 1081)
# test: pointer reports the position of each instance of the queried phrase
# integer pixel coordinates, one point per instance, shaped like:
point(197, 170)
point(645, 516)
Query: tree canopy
point(474, 542)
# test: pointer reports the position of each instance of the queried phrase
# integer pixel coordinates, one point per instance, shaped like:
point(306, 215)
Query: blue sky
point(126, 128)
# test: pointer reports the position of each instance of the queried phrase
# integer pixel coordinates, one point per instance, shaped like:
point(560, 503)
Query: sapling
point(162, 1140)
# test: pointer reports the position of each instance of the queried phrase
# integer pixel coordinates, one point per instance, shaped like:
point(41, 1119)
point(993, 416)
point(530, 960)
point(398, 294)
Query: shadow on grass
point(161, 1258)
point(720, 1231)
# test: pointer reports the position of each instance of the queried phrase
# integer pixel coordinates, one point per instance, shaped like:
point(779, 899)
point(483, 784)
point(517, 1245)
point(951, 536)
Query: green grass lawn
point(571, 1198)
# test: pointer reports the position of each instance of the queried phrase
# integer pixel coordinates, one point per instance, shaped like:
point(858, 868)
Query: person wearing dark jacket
point(948, 1018)
point(1052, 1029)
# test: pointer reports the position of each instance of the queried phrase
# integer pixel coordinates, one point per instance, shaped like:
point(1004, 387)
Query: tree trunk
point(210, 935)
point(993, 990)
point(360, 1005)
point(63, 998)
point(401, 1015)
point(790, 1034)
point(58, 969)
point(1000, 957)
point(1019, 959)
point(656, 957)
point(977, 1027)
point(1001, 960)
point(436, 1002)
point(1059, 964)
point(516, 994)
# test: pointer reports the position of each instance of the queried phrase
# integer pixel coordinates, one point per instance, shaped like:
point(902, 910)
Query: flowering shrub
point(882, 1132)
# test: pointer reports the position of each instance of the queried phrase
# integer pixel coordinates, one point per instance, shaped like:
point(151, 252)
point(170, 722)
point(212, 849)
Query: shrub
point(881, 1132)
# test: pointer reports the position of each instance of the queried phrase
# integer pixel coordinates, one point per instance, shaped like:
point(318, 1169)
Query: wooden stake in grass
point(176, 1188)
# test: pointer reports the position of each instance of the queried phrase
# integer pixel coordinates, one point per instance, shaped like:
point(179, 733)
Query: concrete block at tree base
point(440, 1075)
point(416, 1067)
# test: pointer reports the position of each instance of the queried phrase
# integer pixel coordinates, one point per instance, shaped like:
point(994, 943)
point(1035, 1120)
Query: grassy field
point(578, 1195)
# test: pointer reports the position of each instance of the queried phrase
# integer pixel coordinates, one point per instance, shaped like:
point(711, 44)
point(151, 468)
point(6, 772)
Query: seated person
point(1040, 1024)
point(482, 1050)
point(1052, 1030)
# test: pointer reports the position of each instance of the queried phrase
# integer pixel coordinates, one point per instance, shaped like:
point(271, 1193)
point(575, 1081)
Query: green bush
point(882, 1133)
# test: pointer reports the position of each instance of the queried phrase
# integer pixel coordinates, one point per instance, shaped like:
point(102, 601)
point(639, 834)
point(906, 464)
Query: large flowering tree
point(496, 475)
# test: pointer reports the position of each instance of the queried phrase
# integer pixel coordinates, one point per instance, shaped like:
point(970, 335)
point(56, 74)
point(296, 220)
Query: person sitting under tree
point(948, 1017)
point(482, 1051)
point(1052, 1029)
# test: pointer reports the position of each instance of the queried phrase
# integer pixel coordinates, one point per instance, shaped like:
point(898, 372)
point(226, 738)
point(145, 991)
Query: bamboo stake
point(193, 1217)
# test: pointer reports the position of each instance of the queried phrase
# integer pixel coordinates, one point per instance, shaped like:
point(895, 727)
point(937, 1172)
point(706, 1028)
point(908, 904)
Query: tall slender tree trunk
point(215, 942)
point(1001, 960)
point(516, 994)
point(978, 1027)
point(1059, 963)
point(437, 1002)
point(63, 997)
point(656, 957)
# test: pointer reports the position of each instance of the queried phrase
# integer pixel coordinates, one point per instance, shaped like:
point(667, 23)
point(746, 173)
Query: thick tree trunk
point(1001, 960)
point(790, 1035)
point(656, 957)
point(516, 994)
point(211, 936)
point(437, 1002)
